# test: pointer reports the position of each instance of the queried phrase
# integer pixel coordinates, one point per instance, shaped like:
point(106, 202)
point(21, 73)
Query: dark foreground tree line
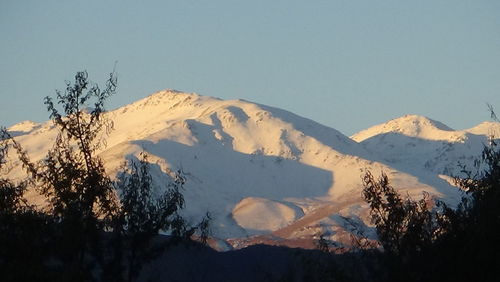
point(92, 228)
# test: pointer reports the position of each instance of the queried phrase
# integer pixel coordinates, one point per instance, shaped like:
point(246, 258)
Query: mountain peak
point(170, 102)
point(24, 126)
point(489, 128)
point(414, 125)
point(421, 121)
point(408, 125)
point(166, 96)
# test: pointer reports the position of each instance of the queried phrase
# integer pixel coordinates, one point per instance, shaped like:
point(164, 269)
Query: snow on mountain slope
point(255, 168)
point(416, 142)
point(264, 214)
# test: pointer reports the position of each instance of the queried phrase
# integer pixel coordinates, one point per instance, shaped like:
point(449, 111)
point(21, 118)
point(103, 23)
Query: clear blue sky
point(347, 64)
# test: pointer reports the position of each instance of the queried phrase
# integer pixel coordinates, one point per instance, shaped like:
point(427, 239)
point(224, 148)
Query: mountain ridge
point(260, 169)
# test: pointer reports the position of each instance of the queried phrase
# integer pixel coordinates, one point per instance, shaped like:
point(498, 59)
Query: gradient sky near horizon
point(348, 64)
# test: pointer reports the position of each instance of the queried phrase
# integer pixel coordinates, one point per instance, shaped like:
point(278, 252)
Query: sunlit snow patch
point(258, 214)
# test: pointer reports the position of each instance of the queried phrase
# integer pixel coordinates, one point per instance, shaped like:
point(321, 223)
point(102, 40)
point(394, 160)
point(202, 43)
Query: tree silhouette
point(449, 243)
point(24, 231)
point(86, 230)
point(142, 215)
point(403, 225)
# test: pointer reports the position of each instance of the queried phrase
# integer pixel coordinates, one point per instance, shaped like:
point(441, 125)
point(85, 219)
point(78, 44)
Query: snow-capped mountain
point(418, 142)
point(268, 173)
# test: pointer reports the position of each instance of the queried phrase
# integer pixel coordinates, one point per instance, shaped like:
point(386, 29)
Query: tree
point(406, 229)
point(72, 178)
point(456, 244)
point(84, 230)
point(24, 231)
point(470, 231)
point(142, 215)
point(403, 225)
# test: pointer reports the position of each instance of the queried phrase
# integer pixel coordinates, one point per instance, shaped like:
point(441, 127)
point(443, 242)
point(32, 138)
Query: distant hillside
point(268, 175)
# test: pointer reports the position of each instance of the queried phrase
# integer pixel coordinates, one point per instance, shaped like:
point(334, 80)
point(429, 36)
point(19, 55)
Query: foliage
point(403, 225)
point(24, 231)
point(449, 243)
point(83, 232)
point(142, 215)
